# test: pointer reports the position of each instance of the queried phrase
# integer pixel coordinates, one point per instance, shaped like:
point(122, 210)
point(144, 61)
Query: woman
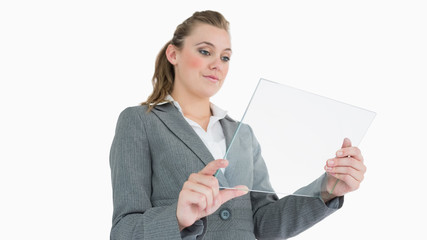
point(162, 156)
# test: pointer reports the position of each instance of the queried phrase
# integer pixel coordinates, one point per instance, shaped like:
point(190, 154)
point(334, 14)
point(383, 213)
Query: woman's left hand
point(348, 167)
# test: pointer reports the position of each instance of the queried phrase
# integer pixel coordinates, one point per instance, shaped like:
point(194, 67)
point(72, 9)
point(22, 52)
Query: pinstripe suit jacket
point(154, 153)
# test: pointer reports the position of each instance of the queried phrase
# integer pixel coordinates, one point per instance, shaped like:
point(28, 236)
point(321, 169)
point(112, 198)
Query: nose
point(216, 64)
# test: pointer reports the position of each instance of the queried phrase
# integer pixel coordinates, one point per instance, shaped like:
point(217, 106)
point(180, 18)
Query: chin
point(209, 94)
point(210, 91)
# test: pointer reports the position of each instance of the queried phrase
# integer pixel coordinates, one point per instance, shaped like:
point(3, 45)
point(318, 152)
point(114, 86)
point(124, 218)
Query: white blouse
point(213, 138)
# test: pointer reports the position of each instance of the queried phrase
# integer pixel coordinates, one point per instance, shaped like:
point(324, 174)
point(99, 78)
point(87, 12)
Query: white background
point(68, 68)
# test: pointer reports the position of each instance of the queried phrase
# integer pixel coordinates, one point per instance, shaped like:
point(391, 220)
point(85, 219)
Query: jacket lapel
point(229, 127)
point(176, 123)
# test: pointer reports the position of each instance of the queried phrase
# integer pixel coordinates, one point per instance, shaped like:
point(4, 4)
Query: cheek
point(194, 61)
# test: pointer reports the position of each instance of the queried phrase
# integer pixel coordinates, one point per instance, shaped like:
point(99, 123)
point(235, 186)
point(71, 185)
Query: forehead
point(219, 37)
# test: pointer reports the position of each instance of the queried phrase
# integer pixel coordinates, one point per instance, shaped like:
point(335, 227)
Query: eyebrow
point(212, 45)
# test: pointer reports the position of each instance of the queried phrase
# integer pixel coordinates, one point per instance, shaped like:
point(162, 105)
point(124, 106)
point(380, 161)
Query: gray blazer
point(154, 153)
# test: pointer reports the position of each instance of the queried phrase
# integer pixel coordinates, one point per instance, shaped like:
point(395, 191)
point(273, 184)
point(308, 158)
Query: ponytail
point(162, 80)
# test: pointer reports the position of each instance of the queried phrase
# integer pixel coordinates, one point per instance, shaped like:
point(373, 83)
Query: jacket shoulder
point(130, 119)
point(134, 111)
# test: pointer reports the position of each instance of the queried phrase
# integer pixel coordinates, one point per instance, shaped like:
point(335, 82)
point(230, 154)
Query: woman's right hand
point(200, 195)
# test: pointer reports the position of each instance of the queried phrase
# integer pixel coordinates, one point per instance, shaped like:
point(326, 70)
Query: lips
point(212, 78)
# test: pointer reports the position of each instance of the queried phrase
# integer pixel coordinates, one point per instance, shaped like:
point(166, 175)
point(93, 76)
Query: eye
point(204, 52)
point(225, 59)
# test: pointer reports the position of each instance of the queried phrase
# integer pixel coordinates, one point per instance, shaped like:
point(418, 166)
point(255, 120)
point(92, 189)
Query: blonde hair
point(164, 73)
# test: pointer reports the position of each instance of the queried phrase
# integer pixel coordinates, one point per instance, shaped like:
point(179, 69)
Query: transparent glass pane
point(297, 132)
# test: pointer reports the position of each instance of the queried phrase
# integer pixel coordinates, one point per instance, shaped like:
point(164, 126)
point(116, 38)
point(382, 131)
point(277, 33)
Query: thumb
point(346, 143)
point(228, 194)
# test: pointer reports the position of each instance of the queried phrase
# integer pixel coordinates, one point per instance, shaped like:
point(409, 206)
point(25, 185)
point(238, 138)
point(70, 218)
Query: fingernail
point(339, 153)
point(330, 162)
point(328, 169)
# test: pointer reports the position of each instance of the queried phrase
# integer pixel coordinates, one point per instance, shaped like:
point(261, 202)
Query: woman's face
point(202, 64)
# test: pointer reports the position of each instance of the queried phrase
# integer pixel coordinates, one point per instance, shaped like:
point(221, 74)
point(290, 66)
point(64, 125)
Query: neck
point(193, 107)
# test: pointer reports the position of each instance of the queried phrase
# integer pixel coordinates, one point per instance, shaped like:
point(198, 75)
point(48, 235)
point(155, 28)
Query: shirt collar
point(217, 112)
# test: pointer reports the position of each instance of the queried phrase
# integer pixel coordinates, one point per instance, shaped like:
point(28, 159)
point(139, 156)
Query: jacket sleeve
point(286, 217)
point(134, 217)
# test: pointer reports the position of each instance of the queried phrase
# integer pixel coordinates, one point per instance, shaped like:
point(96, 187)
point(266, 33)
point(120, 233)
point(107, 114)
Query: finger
point(346, 143)
point(213, 166)
point(207, 180)
point(346, 162)
point(350, 151)
point(227, 194)
point(358, 175)
point(202, 189)
point(351, 182)
point(190, 197)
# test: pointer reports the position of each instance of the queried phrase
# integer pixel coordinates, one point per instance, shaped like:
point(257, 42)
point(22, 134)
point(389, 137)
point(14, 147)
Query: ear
point(172, 54)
